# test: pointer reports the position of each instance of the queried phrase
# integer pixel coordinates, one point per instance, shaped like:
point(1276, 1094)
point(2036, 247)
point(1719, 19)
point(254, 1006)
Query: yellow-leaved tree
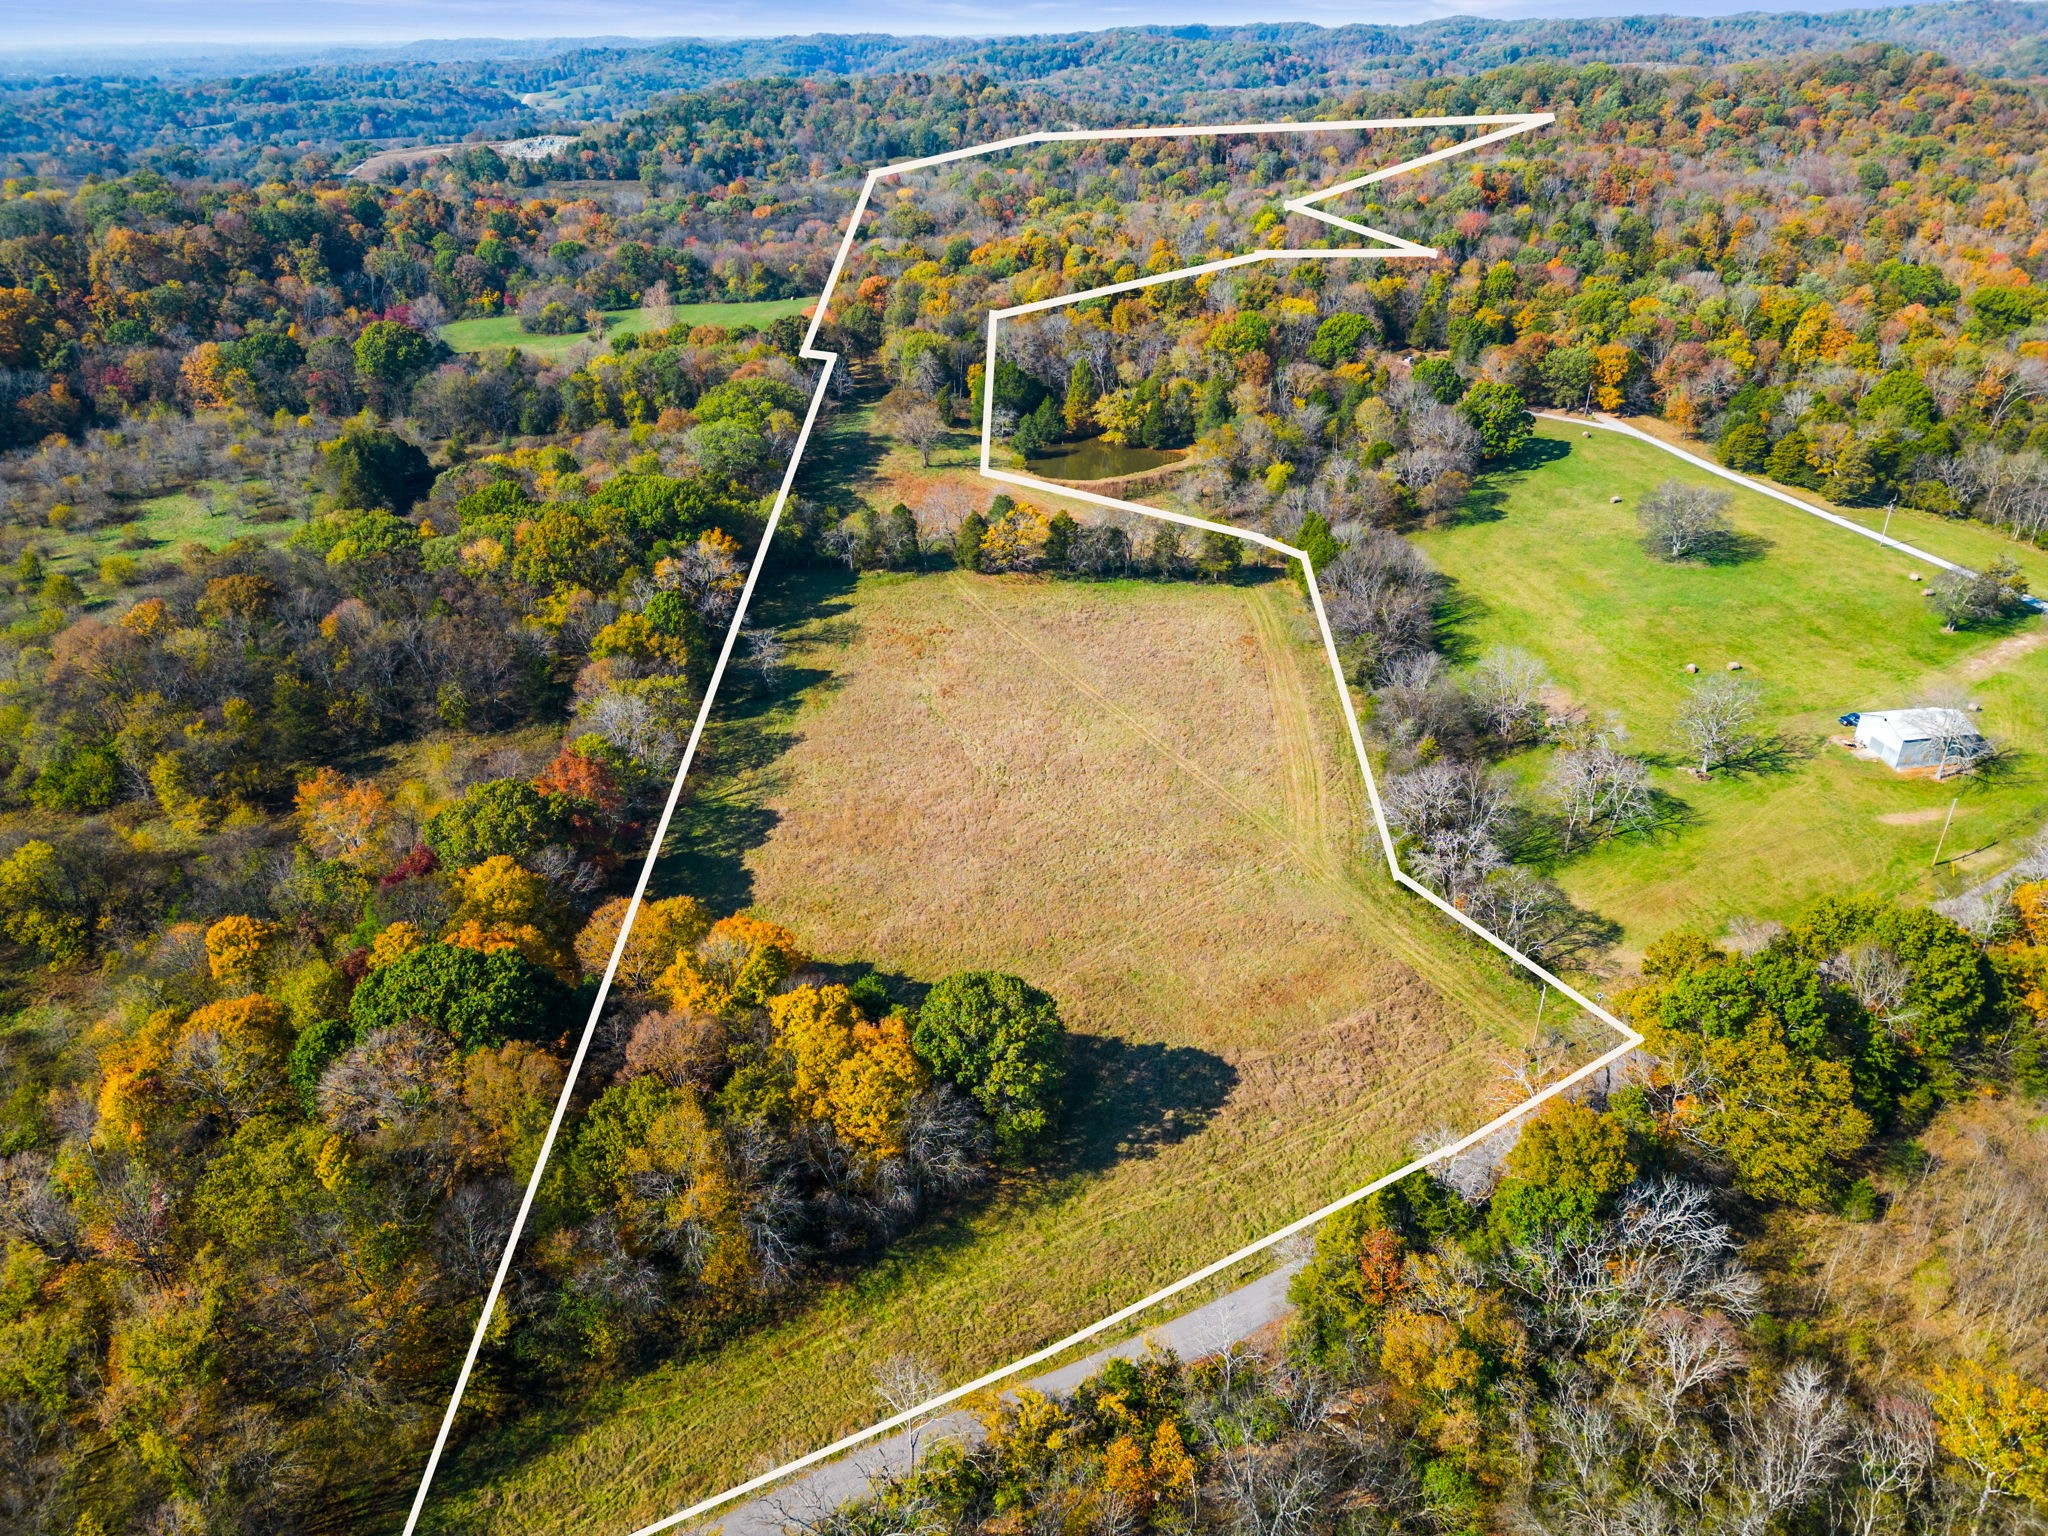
point(660, 931)
point(227, 1058)
point(858, 1075)
point(739, 960)
point(234, 950)
point(1996, 1425)
point(504, 905)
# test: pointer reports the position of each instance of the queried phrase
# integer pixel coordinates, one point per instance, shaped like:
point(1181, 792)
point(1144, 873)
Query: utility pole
point(1890, 508)
point(1944, 831)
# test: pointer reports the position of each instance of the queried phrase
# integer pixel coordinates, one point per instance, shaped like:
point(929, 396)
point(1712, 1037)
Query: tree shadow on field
point(1458, 609)
point(1487, 501)
point(1127, 1100)
point(1733, 548)
point(1768, 754)
point(1537, 452)
point(724, 815)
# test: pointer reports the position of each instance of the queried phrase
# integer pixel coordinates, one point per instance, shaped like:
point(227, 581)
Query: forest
point(278, 115)
point(344, 678)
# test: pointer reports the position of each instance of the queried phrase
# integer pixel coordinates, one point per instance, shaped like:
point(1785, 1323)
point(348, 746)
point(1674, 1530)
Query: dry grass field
point(1140, 797)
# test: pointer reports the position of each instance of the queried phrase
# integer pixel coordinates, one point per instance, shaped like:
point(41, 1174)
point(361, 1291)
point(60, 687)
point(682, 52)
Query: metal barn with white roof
point(1919, 738)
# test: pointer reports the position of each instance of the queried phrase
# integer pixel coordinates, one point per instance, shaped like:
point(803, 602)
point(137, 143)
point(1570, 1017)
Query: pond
point(1094, 459)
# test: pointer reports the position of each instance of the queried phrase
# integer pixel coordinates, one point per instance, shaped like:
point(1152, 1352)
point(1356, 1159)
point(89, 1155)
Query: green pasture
point(1823, 621)
point(498, 331)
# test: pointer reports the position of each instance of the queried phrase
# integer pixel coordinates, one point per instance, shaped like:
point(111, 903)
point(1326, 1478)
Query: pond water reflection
point(1094, 459)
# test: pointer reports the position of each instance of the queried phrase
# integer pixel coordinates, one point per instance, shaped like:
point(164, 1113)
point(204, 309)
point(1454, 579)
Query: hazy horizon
point(230, 27)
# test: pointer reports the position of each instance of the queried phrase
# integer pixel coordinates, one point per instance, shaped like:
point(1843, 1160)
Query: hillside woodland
point(312, 109)
point(344, 678)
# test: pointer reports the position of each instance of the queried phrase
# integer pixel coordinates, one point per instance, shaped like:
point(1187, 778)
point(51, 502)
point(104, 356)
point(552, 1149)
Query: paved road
point(1206, 1329)
point(1229, 1319)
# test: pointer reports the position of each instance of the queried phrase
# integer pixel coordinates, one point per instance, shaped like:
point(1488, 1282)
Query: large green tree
point(478, 998)
point(1000, 1040)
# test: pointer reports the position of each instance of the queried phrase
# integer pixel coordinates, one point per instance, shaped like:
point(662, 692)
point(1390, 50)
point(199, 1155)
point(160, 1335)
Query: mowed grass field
point(1141, 798)
point(1822, 620)
point(499, 331)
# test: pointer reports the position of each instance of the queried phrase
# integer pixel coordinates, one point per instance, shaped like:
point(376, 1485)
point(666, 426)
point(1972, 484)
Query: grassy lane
point(1139, 796)
point(1823, 621)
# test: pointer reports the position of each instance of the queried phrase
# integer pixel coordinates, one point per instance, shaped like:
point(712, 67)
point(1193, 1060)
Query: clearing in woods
point(1141, 797)
point(1822, 621)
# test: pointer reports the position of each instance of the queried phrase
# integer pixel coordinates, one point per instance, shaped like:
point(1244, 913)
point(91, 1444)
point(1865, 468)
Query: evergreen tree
point(1745, 447)
point(1788, 463)
point(1315, 540)
point(967, 541)
point(1222, 555)
point(1079, 410)
point(1059, 541)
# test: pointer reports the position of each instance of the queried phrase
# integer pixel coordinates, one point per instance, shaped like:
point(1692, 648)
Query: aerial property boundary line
point(1501, 127)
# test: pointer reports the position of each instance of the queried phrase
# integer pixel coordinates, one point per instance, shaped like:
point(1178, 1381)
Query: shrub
point(78, 780)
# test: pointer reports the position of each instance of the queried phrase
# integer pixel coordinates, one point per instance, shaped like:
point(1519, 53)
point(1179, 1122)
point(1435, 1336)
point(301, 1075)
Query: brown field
point(1140, 797)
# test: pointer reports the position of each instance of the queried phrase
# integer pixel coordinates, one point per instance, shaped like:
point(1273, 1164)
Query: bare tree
point(1530, 913)
point(904, 1382)
point(1963, 598)
point(1716, 719)
point(1894, 1453)
point(1600, 787)
point(1786, 1447)
point(1507, 686)
point(658, 307)
point(1876, 978)
point(1446, 796)
point(1686, 1351)
point(765, 651)
point(914, 417)
point(1680, 521)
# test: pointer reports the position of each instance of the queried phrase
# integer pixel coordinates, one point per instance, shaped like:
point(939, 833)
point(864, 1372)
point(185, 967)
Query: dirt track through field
point(1307, 799)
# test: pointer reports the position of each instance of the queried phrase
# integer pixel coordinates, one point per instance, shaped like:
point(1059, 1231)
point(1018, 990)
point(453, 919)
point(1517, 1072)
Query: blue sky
point(123, 24)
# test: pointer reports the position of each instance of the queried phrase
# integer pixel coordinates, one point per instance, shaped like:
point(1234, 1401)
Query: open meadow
point(1823, 621)
point(499, 331)
point(1140, 797)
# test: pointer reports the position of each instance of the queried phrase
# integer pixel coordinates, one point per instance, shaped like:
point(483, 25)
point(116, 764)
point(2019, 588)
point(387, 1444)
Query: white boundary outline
point(1503, 126)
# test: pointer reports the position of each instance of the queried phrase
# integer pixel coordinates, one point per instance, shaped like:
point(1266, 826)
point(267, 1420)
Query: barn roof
point(1903, 725)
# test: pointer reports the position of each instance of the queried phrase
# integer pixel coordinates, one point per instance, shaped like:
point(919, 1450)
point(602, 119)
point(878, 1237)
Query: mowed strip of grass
point(1139, 797)
point(1823, 621)
point(498, 331)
